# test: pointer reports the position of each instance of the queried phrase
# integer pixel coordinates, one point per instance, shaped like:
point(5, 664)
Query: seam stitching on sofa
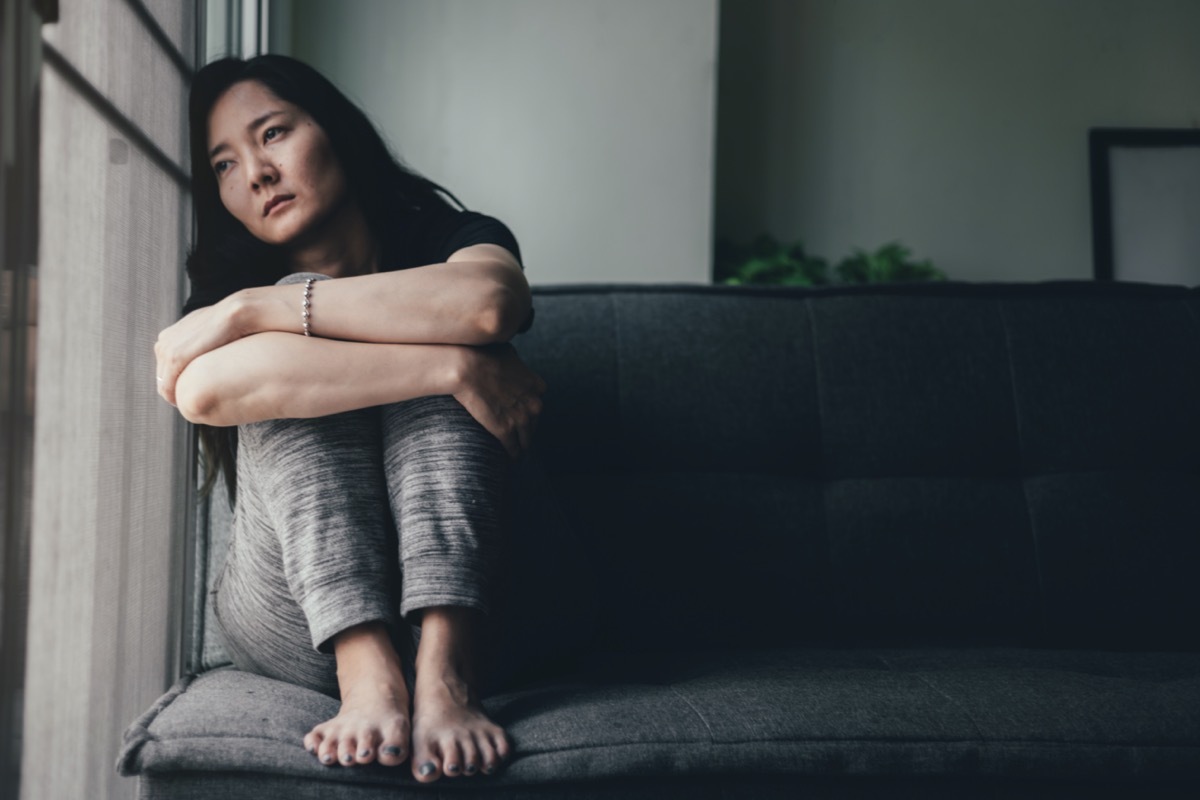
point(712, 737)
point(822, 482)
point(1012, 383)
point(616, 314)
point(1191, 309)
point(931, 685)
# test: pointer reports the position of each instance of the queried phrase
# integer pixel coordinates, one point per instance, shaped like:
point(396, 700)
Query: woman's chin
point(281, 235)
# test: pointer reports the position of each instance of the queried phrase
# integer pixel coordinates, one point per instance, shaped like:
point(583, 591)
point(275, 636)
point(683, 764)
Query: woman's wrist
point(459, 367)
point(266, 308)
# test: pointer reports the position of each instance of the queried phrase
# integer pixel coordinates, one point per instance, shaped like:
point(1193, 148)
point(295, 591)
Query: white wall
point(956, 126)
point(587, 126)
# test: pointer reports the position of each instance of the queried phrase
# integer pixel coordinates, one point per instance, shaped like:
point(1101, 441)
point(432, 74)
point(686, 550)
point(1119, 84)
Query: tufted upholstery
point(967, 463)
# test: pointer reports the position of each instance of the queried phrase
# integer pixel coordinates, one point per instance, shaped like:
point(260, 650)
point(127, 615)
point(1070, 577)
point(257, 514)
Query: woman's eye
point(267, 132)
point(217, 167)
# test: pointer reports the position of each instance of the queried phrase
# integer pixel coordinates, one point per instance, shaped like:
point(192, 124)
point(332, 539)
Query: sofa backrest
point(947, 462)
point(719, 467)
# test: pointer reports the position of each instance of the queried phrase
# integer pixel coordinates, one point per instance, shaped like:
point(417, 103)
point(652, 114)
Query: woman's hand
point(502, 394)
point(199, 332)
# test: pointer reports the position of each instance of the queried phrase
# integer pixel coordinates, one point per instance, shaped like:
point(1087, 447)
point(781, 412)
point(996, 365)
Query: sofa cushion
point(933, 712)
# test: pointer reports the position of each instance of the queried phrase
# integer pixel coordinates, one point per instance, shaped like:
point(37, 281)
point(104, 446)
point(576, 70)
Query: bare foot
point(452, 735)
point(373, 722)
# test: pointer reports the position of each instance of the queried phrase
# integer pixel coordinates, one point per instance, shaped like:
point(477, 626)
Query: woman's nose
point(265, 173)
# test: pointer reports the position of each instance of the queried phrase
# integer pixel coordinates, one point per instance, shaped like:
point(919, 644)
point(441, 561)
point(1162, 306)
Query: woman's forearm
point(277, 375)
point(458, 302)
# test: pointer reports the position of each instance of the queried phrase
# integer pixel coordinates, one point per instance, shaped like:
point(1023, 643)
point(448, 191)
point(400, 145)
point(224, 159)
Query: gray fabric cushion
point(931, 712)
point(232, 786)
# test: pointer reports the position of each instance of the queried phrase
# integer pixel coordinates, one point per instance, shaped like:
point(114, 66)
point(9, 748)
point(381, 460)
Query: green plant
point(766, 261)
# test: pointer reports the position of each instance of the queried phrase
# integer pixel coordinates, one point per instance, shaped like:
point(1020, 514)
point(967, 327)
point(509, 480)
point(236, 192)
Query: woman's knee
point(436, 418)
point(347, 433)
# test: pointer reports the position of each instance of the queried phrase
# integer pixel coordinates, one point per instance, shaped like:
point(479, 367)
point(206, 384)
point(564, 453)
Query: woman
point(346, 339)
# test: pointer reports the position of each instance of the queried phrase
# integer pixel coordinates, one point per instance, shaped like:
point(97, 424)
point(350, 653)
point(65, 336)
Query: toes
point(427, 772)
point(393, 745)
point(500, 744)
point(391, 754)
point(487, 758)
point(425, 764)
point(470, 755)
point(368, 742)
point(346, 749)
point(427, 761)
point(452, 758)
point(327, 752)
point(312, 741)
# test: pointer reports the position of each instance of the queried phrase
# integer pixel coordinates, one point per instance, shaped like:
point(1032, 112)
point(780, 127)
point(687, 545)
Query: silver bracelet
point(304, 310)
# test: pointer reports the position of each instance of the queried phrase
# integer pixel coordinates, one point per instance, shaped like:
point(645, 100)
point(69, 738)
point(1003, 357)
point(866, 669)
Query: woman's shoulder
point(431, 235)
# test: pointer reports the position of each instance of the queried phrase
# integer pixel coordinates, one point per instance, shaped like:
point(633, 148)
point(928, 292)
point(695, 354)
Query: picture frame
point(1145, 195)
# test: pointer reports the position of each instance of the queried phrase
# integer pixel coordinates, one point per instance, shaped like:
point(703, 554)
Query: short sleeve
point(441, 234)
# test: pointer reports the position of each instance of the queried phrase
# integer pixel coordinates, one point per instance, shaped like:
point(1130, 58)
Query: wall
point(956, 126)
point(587, 127)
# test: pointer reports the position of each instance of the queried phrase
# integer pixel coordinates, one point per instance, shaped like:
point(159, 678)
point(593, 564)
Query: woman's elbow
point(196, 398)
point(505, 313)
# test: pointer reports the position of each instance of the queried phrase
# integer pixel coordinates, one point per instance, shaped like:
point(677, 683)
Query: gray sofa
point(903, 540)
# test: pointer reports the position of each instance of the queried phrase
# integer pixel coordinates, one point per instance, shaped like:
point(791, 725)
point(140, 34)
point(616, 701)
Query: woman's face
point(262, 150)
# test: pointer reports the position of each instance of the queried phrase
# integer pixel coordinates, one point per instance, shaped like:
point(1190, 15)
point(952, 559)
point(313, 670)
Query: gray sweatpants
point(365, 515)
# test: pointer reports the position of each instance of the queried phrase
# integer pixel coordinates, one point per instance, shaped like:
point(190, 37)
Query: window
point(107, 543)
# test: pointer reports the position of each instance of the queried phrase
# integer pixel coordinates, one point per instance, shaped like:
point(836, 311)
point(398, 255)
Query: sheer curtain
point(111, 460)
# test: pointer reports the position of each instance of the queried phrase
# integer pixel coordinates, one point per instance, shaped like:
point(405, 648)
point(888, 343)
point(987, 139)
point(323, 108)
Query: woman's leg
point(314, 489)
point(447, 477)
point(312, 564)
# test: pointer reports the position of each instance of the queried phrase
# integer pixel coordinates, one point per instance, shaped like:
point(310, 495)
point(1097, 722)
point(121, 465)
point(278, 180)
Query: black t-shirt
point(428, 236)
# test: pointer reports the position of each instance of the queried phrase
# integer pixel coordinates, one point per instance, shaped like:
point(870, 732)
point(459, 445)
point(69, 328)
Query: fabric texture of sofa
point(899, 540)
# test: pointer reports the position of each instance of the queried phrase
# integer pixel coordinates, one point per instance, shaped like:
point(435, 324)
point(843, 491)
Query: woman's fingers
point(502, 393)
point(527, 422)
point(523, 438)
point(189, 338)
point(165, 374)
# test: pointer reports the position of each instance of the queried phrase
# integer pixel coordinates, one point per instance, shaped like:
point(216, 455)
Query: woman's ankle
point(450, 642)
point(366, 652)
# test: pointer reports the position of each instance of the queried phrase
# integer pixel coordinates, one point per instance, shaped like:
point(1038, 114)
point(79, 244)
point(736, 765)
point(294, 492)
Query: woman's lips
point(279, 204)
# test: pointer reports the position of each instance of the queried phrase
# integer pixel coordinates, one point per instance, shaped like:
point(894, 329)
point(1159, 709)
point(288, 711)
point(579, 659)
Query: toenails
point(470, 769)
point(451, 769)
point(392, 750)
point(428, 768)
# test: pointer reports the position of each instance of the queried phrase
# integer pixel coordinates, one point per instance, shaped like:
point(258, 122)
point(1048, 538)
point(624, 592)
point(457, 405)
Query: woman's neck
point(341, 248)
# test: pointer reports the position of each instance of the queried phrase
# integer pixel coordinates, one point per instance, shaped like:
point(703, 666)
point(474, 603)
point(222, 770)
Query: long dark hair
point(225, 257)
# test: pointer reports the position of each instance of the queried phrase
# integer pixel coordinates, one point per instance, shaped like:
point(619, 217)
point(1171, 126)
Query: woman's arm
point(478, 296)
point(277, 375)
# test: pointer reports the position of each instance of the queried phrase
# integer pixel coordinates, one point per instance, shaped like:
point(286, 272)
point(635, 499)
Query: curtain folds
point(111, 459)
